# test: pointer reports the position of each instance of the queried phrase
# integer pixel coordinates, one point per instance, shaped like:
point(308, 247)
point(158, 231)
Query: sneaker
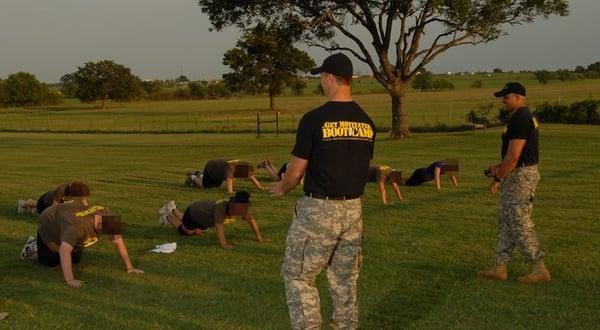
point(188, 180)
point(20, 207)
point(29, 251)
point(164, 211)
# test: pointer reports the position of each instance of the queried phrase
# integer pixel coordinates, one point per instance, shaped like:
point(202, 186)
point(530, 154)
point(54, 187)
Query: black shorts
point(417, 178)
point(52, 259)
point(41, 205)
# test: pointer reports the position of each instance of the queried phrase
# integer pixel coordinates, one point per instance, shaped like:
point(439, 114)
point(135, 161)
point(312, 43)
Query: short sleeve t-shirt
point(337, 139)
point(379, 173)
point(205, 214)
point(70, 222)
point(522, 125)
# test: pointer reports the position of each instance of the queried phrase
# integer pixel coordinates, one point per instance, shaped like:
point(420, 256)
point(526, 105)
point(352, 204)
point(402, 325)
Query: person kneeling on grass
point(382, 174)
point(218, 170)
point(64, 230)
point(201, 215)
point(432, 172)
point(47, 199)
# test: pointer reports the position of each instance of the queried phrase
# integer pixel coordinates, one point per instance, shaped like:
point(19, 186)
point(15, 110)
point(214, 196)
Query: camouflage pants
point(515, 225)
point(323, 234)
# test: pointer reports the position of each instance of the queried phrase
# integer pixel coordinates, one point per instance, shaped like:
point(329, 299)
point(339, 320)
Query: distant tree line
point(425, 81)
point(107, 80)
point(24, 89)
point(592, 71)
point(583, 112)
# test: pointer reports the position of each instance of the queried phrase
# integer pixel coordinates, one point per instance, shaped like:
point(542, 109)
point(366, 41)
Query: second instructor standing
point(334, 145)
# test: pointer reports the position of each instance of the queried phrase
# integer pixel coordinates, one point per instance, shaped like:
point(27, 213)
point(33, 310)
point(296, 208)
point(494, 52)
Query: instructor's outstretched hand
point(494, 186)
point(276, 189)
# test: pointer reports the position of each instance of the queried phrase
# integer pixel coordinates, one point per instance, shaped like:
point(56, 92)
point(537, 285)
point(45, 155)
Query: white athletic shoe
point(164, 211)
point(20, 208)
point(29, 251)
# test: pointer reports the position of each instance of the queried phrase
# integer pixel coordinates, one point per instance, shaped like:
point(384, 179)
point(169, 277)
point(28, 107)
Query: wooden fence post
point(257, 125)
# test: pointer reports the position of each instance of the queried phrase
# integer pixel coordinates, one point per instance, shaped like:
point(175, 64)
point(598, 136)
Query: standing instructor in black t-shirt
point(334, 145)
point(519, 175)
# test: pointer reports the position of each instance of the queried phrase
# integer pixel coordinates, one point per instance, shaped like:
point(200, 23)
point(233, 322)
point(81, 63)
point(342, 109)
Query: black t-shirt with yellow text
point(337, 139)
point(522, 125)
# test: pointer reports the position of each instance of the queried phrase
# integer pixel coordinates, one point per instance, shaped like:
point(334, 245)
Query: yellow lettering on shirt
point(535, 123)
point(347, 130)
point(89, 211)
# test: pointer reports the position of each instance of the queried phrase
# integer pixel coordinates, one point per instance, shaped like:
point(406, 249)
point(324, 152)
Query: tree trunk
point(399, 114)
point(271, 99)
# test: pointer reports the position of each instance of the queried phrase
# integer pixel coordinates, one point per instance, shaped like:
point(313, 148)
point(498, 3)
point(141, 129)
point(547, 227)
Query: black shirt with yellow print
point(337, 139)
point(522, 125)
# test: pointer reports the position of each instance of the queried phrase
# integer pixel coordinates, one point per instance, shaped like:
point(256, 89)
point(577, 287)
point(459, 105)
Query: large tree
point(103, 80)
point(23, 88)
point(265, 60)
point(404, 35)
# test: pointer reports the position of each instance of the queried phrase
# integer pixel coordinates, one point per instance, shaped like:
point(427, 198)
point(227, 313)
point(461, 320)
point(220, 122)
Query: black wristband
point(496, 178)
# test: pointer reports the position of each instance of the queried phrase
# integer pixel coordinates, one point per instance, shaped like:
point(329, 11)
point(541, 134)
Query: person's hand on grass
point(228, 246)
point(263, 240)
point(75, 283)
point(135, 271)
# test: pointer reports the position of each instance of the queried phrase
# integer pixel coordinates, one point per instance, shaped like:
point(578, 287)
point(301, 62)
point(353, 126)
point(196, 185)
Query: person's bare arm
point(454, 181)
point(295, 171)
point(252, 222)
point(229, 184)
point(119, 245)
point(396, 189)
point(220, 229)
point(515, 147)
point(382, 192)
point(256, 183)
point(437, 173)
point(64, 252)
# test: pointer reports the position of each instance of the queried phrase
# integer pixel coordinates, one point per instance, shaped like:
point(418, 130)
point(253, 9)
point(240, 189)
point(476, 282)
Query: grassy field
point(426, 109)
point(420, 259)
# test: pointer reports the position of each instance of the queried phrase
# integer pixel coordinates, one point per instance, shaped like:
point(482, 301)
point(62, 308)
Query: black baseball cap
point(337, 64)
point(511, 88)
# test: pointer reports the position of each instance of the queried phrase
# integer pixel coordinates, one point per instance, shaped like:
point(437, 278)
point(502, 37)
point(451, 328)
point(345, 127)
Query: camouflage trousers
point(323, 234)
point(515, 225)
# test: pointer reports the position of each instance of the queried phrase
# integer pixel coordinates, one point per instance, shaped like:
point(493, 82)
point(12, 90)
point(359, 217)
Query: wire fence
point(265, 123)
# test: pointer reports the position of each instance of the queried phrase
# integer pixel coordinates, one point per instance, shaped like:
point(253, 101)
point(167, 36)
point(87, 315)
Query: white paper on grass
point(165, 248)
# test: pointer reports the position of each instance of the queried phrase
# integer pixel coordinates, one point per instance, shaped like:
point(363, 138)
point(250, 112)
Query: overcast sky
point(159, 39)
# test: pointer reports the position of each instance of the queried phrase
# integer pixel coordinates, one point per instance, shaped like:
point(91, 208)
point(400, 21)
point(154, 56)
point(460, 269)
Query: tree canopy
point(404, 36)
point(103, 80)
point(265, 60)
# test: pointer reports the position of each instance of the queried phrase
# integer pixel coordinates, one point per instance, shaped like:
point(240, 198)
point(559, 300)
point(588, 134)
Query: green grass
point(420, 260)
point(426, 109)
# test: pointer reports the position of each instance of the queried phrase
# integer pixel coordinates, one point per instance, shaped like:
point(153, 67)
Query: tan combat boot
point(496, 272)
point(539, 273)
